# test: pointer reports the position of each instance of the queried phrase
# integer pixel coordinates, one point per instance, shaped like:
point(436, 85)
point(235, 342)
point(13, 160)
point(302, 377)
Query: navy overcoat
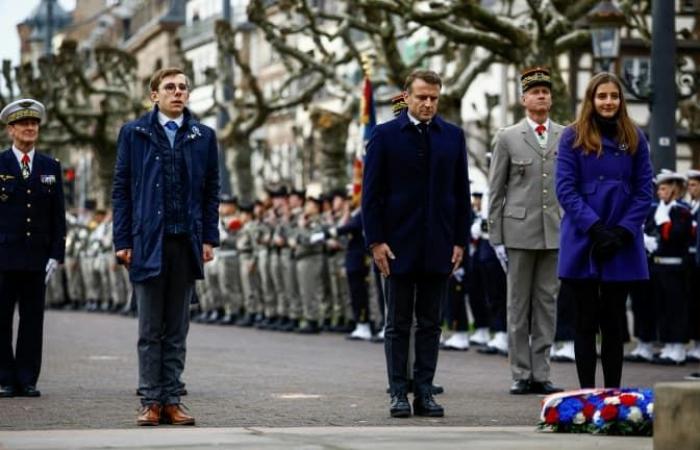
point(616, 189)
point(137, 192)
point(32, 214)
point(419, 208)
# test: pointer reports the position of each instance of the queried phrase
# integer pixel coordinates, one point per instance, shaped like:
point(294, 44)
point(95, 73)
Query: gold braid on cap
point(23, 114)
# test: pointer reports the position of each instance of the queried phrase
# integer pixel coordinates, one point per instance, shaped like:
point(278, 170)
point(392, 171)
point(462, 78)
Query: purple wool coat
point(615, 188)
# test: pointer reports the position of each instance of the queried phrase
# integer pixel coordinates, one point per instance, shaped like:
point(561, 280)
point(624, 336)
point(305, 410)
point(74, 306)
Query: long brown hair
point(588, 136)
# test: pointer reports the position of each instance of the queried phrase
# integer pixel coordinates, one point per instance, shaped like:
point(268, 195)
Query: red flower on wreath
point(552, 416)
point(588, 410)
point(628, 400)
point(609, 412)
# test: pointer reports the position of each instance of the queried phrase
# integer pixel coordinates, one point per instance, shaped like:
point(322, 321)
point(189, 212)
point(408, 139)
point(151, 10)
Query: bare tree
point(88, 95)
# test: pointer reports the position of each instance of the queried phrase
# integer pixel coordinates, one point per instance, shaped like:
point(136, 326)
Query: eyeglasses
point(170, 87)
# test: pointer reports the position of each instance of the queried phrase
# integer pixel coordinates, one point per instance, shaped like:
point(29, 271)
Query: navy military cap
point(25, 108)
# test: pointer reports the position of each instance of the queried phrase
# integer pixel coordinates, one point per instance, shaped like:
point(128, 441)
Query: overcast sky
point(13, 12)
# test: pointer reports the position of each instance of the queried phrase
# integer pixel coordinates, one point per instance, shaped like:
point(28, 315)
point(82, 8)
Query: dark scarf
point(607, 127)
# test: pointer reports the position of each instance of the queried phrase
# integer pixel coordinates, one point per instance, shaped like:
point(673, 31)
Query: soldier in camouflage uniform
point(263, 237)
point(89, 260)
point(280, 255)
point(117, 282)
point(335, 249)
point(288, 259)
point(310, 264)
point(76, 241)
point(229, 265)
point(245, 240)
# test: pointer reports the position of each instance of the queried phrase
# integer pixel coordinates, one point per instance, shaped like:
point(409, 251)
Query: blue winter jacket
point(137, 192)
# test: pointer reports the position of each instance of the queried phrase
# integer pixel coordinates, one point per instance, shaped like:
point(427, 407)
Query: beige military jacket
point(523, 209)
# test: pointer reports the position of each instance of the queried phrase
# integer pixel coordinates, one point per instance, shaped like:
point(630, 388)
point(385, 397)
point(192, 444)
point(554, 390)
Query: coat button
point(29, 205)
point(544, 175)
point(544, 191)
point(28, 220)
point(29, 191)
point(601, 177)
point(544, 206)
point(29, 233)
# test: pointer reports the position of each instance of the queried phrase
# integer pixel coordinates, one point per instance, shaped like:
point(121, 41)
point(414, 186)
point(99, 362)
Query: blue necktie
point(170, 131)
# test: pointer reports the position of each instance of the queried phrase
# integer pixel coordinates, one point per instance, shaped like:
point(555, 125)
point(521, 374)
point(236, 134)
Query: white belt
point(692, 250)
point(226, 253)
point(668, 260)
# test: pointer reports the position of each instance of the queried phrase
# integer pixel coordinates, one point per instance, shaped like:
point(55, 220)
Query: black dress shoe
point(28, 391)
point(7, 391)
point(425, 405)
point(520, 387)
point(544, 387)
point(399, 406)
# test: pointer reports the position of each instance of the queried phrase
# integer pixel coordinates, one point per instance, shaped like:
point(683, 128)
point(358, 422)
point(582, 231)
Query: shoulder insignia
point(4, 177)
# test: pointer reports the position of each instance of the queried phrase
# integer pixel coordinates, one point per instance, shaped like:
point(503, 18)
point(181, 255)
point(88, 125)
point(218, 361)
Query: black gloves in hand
point(607, 241)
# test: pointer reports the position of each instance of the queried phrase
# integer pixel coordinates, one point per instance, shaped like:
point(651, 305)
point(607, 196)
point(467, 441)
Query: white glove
point(662, 212)
point(502, 255)
point(459, 274)
point(317, 237)
point(476, 229)
point(650, 243)
point(51, 267)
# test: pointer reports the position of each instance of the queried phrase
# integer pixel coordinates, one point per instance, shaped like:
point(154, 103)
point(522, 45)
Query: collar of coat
point(436, 123)
point(147, 123)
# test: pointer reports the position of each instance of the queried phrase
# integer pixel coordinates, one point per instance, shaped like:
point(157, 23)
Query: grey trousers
point(532, 311)
point(164, 320)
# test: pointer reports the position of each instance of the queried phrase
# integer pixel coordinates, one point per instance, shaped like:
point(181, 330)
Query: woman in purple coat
point(604, 185)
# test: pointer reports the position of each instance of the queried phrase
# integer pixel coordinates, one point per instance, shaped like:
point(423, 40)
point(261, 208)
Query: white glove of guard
point(316, 237)
point(502, 255)
point(459, 274)
point(650, 243)
point(51, 267)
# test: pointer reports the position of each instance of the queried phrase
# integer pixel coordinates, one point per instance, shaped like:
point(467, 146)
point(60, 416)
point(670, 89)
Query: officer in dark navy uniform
point(32, 244)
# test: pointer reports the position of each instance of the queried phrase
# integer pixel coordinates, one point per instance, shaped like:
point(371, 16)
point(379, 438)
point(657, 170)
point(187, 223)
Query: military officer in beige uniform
point(524, 219)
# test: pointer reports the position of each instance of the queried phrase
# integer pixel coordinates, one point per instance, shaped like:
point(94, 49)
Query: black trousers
point(26, 289)
point(671, 299)
point(477, 288)
point(600, 307)
point(566, 312)
point(359, 295)
point(694, 303)
point(643, 310)
point(495, 285)
point(455, 307)
point(423, 294)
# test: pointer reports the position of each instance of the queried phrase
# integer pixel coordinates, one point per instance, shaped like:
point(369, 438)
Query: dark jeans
point(600, 306)
point(26, 289)
point(404, 294)
point(164, 319)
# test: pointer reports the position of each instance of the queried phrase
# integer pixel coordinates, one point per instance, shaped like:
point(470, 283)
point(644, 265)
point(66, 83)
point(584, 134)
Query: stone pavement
point(243, 379)
point(322, 438)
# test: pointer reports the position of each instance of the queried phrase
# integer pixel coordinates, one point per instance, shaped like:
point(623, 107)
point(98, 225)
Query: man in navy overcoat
point(165, 199)
point(415, 200)
point(32, 244)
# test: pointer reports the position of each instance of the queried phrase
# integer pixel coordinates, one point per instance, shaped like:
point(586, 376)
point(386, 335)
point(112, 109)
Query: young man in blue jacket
point(165, 200)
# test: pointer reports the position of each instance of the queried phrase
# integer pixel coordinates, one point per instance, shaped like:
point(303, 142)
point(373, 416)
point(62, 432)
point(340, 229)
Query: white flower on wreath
point(597, 420)
point(579, 418)
point(615, 400)
point(650, 409)
point(635, 414)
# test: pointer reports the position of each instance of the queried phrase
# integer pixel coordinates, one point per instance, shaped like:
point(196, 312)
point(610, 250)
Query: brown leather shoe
point(149, 415)
point(177, 415)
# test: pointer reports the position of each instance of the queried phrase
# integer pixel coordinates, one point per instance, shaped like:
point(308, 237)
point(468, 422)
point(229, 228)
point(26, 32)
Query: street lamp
point(605, 21)
point(662, 92)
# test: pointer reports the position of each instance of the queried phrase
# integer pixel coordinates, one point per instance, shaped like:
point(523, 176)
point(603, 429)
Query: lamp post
point(605, 21)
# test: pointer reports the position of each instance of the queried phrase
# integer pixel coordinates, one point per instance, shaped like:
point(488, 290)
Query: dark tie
point(171, 125)
point(424, 147)
point(540, 129)
point(25, 166)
